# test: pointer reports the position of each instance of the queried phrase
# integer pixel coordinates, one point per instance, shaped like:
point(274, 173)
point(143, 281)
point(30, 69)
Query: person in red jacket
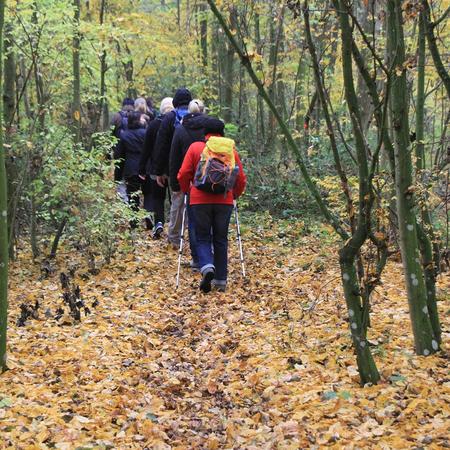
point(212, 212)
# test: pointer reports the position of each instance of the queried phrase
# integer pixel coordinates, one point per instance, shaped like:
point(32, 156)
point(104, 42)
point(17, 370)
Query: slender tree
point(103, 106)
point(204, 33)
point(76, 100)
point(9, 89)
point(357, 302)
point(429, 28)
point(3, 216)
point(429, 246)
point(425, 340)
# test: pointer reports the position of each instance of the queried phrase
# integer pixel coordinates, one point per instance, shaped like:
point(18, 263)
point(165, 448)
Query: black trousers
point(154, 196)
point(133, 185)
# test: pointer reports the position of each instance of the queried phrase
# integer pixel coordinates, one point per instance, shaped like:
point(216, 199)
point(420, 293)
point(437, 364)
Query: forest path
point(152, 367)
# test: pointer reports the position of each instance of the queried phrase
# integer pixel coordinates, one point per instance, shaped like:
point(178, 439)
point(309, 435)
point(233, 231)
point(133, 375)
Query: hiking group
point(181, 153)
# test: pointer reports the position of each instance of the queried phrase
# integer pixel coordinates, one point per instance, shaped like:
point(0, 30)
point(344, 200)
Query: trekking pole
point(181, 241)
point(238, 230)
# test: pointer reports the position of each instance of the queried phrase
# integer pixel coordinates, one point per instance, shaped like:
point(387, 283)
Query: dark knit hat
point(128, 102)
point(214, 126)
point(182, 97)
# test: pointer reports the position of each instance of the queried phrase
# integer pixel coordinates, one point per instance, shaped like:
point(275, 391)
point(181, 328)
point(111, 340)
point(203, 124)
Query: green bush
point(76, 186)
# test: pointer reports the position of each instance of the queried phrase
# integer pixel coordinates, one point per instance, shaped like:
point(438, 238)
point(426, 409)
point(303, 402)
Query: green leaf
point(345, 395)
point(5, 402)
point(397, 378)
point(329, 395)
point(152, 417)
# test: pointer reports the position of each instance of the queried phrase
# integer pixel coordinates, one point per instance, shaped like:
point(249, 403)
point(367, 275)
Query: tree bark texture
point(429, 248)
point(9, 85)
point(425, 341)
point(358, 308)
point(204, 34)
point(435, 54)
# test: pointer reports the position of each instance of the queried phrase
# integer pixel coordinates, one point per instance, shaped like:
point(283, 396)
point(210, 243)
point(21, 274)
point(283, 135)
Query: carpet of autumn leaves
point(267, 365)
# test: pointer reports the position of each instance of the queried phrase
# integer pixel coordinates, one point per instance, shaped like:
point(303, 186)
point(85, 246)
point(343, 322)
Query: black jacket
point(146, 164)
point(130, 149)
point(192, 130)
point(163, 143)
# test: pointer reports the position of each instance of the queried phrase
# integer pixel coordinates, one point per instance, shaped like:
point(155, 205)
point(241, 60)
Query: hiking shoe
point(195, 266)
point(205, 284)
point(219, 285)
point(148, 223)
point(158, 230)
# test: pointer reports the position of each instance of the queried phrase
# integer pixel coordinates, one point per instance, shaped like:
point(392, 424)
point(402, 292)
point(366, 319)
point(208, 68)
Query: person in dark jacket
point(154, 195)
point(181, 101)
point(129, 150)
point(119, 122)
point(191, 130)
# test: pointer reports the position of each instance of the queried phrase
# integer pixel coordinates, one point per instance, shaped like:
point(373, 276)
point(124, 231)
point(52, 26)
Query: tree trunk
point(22, 88)
point(9, 112)
point(33, 227)
point(431, 38)
point(260, 124)
point(38, 80)
point(204, 34)
point(330, 129)
point(429, 248)
point(363, 11)
point(367, 368)
point(216, 43)
point(3, 217)
point(76, 100)
point(128, 68)
point(275, 42)
point(57, 238)
point(425, 341)
point(356, 297)
point(103, 105)
point(9, 88)
point(229, 72)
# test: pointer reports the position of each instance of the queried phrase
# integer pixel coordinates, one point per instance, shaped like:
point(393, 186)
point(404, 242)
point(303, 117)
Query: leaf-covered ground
point(267, 365)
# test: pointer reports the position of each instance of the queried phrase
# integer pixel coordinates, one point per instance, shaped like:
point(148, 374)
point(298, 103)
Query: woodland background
point(340, 110)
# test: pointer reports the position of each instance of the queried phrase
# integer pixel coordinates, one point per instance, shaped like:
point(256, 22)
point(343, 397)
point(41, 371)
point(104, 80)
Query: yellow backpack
point(217, 169)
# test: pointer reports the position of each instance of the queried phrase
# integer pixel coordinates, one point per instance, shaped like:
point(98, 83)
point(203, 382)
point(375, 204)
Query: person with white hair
point(140, 106)
point(196, 106)
point(154, 195)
